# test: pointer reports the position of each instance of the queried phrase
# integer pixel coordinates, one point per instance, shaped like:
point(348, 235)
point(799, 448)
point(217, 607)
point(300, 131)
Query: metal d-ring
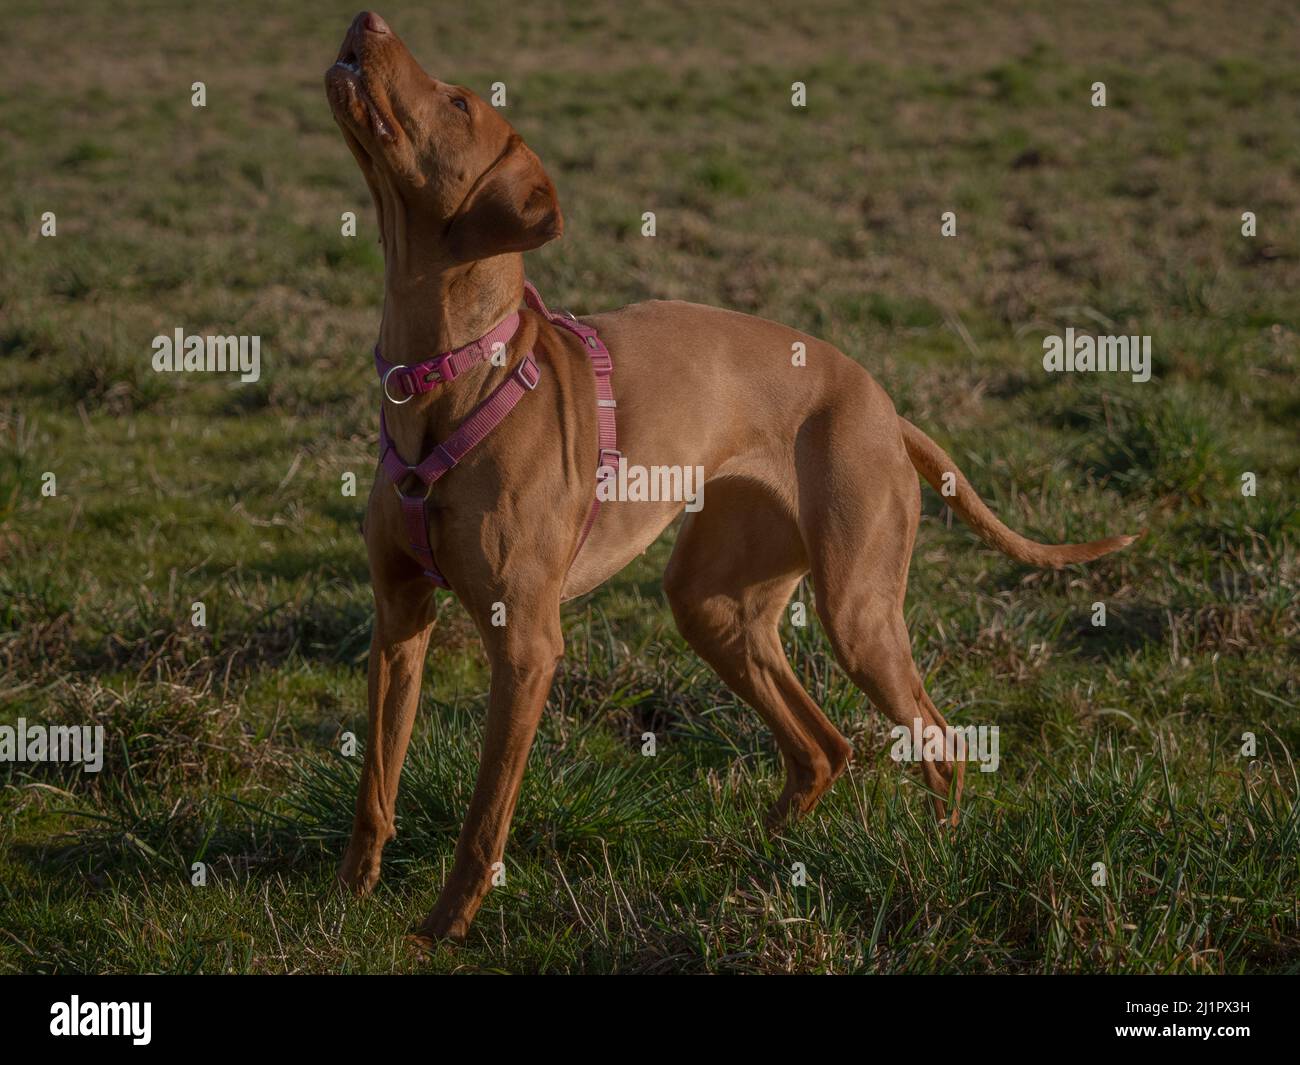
point(384, 385)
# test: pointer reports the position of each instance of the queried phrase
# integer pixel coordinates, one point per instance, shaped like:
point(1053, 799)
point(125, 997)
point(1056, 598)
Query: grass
point(1120, 745)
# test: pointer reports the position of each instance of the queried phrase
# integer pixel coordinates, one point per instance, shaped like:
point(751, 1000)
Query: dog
point(809, 470)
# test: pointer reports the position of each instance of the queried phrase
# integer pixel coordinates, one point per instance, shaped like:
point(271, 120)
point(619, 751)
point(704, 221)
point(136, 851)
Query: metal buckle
point(526, 368)
point(384, 385)
point(602, 464)
point(428, 489)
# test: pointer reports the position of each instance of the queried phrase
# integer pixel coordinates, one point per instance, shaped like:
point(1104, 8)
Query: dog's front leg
point(403, 621)
point(523, 653)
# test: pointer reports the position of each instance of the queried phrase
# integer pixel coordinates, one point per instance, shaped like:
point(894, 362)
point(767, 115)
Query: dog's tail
point(933, 463)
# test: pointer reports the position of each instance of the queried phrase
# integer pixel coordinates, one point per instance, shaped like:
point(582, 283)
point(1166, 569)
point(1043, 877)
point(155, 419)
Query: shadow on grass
point(1136, 628)
point(577, 793)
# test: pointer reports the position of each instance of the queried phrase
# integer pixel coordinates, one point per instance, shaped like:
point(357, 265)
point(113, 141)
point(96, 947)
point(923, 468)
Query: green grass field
point(1120, 745)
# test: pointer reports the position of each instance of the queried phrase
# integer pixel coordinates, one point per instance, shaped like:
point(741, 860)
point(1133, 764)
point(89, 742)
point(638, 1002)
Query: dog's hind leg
point(871, 644)
point(860, 508)
point(732, 571)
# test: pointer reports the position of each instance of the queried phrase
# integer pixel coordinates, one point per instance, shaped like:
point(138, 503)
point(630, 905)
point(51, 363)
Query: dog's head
point(443, 166)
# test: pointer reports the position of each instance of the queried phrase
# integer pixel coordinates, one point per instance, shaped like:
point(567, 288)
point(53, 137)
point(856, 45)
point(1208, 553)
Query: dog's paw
point(421, 945)
point(358, 875)
point(436, 931)
point(781, 815)
point(358, 885)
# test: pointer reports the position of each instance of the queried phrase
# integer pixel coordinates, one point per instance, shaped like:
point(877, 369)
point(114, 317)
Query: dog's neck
point(427, 312)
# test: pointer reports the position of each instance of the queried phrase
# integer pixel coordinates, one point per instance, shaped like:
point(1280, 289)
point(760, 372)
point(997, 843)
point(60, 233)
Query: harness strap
point(446, 367)
point(602, 364)
point(473, 430)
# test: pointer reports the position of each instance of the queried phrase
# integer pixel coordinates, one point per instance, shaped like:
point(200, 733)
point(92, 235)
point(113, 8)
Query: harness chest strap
point(425, 376)
point(485, 417)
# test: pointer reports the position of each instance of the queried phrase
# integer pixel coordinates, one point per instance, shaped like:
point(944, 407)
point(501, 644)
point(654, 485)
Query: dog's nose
point(372, 22)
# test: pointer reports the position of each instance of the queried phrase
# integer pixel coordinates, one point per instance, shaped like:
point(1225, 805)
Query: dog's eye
point(458, 102)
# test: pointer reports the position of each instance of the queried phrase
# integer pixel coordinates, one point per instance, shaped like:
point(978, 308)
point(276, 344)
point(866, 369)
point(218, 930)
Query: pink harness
point(445, 368)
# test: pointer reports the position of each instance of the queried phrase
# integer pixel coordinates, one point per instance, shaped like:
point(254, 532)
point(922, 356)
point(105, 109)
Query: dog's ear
point(513, 208)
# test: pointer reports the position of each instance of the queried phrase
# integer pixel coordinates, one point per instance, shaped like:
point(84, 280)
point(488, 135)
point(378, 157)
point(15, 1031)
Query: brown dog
point(809, 469)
